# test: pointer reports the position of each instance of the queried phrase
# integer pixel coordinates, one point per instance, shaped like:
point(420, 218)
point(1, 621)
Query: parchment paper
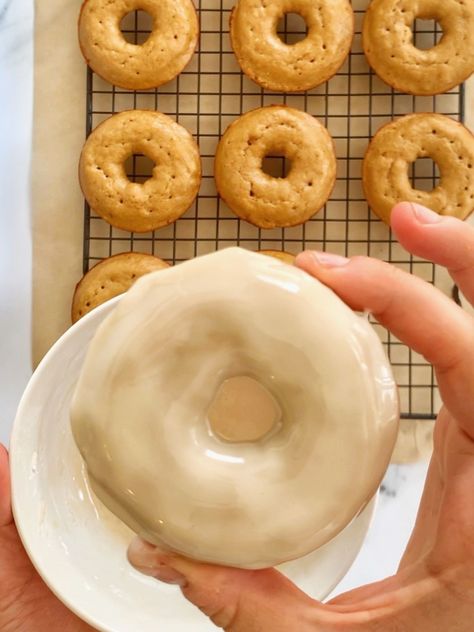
point(59, 129)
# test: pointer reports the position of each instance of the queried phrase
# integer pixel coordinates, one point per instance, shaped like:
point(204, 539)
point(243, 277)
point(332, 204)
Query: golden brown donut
point(109, 278)
point(286, 257)
point(138, 67)
point(275, 65)
point(388, 44)
point(260, 199)
point(399, 143)
point(160, 200)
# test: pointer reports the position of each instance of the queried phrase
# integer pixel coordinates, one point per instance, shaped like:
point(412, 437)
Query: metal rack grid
point(209, 95)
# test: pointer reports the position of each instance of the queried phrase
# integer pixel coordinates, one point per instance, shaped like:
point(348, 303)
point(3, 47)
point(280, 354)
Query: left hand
point(26, 603)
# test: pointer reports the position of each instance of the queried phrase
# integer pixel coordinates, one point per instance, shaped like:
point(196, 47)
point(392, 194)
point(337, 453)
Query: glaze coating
point(139, 413)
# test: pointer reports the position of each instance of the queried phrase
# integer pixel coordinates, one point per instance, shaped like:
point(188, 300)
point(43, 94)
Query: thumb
point(235, 600)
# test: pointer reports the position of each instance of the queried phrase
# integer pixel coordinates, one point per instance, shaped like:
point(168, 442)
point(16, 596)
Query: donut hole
point(424, 174)
point(139, 168)
point(427, 33)
point(243, 410)
point(276, 165)
point(292, 28)
point(136, 27)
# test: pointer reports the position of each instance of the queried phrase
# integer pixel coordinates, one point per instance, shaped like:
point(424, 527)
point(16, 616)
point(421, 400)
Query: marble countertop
point(16, 106)
point(402, 487)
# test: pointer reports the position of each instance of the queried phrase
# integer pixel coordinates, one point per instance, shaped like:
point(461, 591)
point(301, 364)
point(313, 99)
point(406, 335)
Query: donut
point(388, 44)
point(286, 257)
point(399, 143)
point(281, 67)
point(160, 59)
point(261, 199)
point(160, 200)
point(241, 432)
point(109, 278)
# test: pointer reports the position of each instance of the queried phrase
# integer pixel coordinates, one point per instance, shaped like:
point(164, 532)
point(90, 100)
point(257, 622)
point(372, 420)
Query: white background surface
point(16, 67)
point(402, 487)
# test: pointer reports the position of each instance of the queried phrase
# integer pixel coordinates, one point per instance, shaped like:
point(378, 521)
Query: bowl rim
point(84, 323)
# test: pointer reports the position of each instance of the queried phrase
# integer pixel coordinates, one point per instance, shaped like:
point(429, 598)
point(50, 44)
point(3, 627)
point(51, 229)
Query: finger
point(426, 527)
point(418, 314)
point(6, 517)
point(235, 600)
point(257, 601)
point(449, 479)
point(447, 241)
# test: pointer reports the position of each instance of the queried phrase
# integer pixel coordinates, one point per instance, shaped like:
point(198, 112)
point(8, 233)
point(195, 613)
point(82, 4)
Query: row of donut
point(253, 195)
point(273, 64)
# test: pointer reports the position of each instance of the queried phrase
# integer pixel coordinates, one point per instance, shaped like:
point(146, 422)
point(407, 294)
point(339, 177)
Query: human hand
point(433, 590)
point(26, 603)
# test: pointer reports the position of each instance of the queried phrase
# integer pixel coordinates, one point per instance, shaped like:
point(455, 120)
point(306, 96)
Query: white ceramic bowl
point(78, 546)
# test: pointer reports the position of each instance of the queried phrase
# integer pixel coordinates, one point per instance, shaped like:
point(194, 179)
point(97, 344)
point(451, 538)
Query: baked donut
point(160, 59)
point(286, 257)
point(388, 44)
point(160, 200)
point(244, 459)
point(109, 278)
point(281, 67)
point(399, 143)
point(261, 199)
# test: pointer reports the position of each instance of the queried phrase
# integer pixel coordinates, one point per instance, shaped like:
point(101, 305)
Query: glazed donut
point(261, 426)
point(388, 44)
point(160, 59)
point(160, 200)
point(109, 278)
point(399, 143)
point(261, 199)
point(277, 66)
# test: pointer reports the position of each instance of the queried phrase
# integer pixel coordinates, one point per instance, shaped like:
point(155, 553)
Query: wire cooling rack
point(209, 95)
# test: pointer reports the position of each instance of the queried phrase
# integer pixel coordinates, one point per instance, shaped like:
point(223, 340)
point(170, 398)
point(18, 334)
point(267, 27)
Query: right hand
point(433, 590)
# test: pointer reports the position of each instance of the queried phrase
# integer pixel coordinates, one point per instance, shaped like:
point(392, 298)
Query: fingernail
point(162, 572)
point(330, 260)
point(154, 561)
point(168, 576)
point(425, 215)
